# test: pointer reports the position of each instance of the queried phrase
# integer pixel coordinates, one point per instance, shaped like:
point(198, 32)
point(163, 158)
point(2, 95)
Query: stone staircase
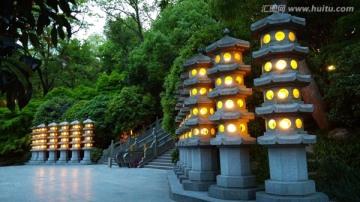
point(162, 162)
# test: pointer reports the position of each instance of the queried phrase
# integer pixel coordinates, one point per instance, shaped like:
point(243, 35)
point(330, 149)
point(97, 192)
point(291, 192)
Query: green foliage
point(338, 166)
point(129, 109)
point(51, 110)
point(111, 83)
point(175, 156)
point(95, 154)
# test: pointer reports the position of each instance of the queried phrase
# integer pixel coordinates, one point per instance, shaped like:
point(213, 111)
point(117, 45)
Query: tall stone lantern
point(88, 135)
point(34, 145)
point(75, 135)
point(64, 128)
point(204, 156)
point(235, 181)
point(283, 109)
point(42, 143)
point(52, 142)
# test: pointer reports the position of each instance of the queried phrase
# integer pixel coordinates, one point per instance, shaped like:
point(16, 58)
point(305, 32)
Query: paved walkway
point(82, 183)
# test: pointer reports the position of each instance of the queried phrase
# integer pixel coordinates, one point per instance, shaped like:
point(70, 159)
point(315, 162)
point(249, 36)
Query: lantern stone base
point(41, 156)
point(75, 157)
point(315, 197)
point(192, 185)
point(227, 193)
point(63, 157)
point(52, 157)
point(87, 159)
point(33, 159)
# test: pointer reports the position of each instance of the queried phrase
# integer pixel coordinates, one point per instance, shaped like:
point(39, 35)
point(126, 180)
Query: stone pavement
point(82, 183)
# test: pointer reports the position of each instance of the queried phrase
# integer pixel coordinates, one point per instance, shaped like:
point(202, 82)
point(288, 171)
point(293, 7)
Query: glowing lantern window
point(204, 131)
point(298, 123)
point(194, 91)
point(219, 105)
point(218, 81)
point(268, 66)
point(221, 128)
point(269, 95)
point(227, 57)
point(279, 36)
point(291, 36)
point(195, 111)
point(229, 104)
point(212, 131)
point(240, 103)
point(242, 127)
point(272, 124)
point(280, 65)
point(193, 72)
point(189, 134)
point(211, 111)
point(202, 72)
point(283, 93)
point(296, 93)
point(237, 57)
point(202, 91)
point(203, 111)
point(228, 80)
point(293, 64)
point(231, 128)
point(210, 89)
point(217, 59)
point(239, 79)
point(266, 38)
point(285, 123)
point(196, 131)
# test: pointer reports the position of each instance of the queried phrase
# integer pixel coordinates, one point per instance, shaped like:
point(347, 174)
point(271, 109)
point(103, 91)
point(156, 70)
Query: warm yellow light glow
point(283, 93)
point(280, 64)
point(217, 59)
point(242, 127)
point(194, 91)
point(296, 93)
point(219, 105)
point(211, 111)
point(240, 103)
point(218, 81)
point(266, 38)
point(189, 134)
point(239, 79)
point(203, 111)
point(291, 36)
point(285, 123)
point(229, 104)
point(212, 131)
point(221, 128)
point(210, 89)
point(280, 35)
point(195, 111)
point(196, 131)
point(269, 95)
point(202, 72)
point(237, 57)
point(272, 124)
point(203, 91)
point(293, 64)
point(228, 80)
point(268, 66)
point(227, 57)
point(193, 72)
point(231, 128)
point(331, 68)
point(298, 123)
point(204, 131)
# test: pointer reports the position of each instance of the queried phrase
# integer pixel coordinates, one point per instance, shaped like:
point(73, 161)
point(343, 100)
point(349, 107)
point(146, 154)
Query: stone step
point(159, 167)
point(160, 164)
point(162, 160)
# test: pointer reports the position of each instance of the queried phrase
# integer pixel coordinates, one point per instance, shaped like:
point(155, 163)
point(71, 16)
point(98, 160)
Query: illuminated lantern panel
point(293, 64)
point(194, 91)
point(237, 57)
point(279, 36)
point(221, 128)
point(280, 64)
point(227, 57)
point(298, 123)
point(231, 128)
point(203, 91)
point(193, 72)
point(229, 104)
point(211, 111)
point(204, 131)
point(219, 105)
point(202, 72)
point(195, 111)
point(283, 93)
point(239, 79)
point(217, 59)
point(242, 127)
point(228, 80)
point(292, 36)
point(212, 131)
point(266, 38)
point(203, 111)
point(240, 103)
point(285, 123)
point(269, 95)
point(296, 93)
point(195, 131)
point(272, 124)
point(218, 81)
point(268, 67)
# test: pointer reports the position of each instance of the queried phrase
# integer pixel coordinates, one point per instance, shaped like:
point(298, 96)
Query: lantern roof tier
point(182, 129)
point(204, 81)
point(76, 122)
point(279, 51)
point(221, 115)
point(196, 99)
point(53, 124)
point(88, 121)
point(291, 77)
point(75, 135)
point(184, 75)
point(64, 123)
point(227, 43)
point(196, 121)
point(235, 90)
point(88, 141)
point(226, 68)
point(284, 108)
point(88, 135)
point(41, 125)
point(278, 139)
point(199, 60)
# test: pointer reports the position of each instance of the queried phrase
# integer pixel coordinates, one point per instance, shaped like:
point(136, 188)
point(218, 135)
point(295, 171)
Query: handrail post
point(156, 145)
point(112, 148)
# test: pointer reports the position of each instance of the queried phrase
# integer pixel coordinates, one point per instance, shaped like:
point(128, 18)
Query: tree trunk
point(311, 94)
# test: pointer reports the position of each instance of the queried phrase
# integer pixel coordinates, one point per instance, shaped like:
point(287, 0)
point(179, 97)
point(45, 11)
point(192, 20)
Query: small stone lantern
point(204, 156)
point(52, 142)
point(42, 143)
point(34, 145)
point(88, 136)
point(75, 135)
point(64, 128)
point(283, 109)
point(236, 181)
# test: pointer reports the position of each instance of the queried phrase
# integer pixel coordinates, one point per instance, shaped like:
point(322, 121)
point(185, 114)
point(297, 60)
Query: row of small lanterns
point(74, 136)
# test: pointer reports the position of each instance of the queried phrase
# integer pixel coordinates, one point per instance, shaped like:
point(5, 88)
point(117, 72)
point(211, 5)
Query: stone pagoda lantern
point(204, 156)
point(88, 136)
point(235, 181)
point(52, 142)
point(64, 142)
point(283, 109)
point(34, 145)
point(42, 143)
point(75, 135)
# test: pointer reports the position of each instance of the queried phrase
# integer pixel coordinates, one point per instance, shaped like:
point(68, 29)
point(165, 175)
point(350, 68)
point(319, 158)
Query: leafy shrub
point(95, 154)
point(175, 156)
